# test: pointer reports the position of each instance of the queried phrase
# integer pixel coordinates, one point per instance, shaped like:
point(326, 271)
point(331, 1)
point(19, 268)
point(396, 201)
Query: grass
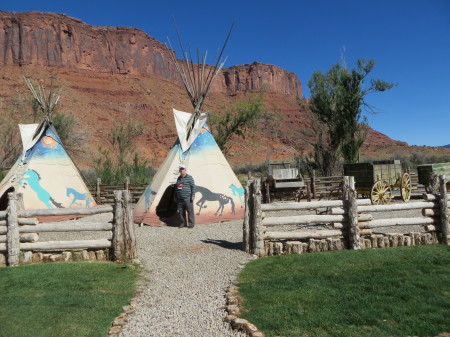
point(401, 291)
point(63, 299)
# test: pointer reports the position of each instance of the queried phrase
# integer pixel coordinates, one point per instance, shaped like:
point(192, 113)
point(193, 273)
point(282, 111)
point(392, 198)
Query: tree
point(337, 99)
point(9, 141)
point(119, 160)
point(235, 120)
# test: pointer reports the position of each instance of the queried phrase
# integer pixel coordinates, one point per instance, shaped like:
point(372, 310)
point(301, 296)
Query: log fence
point(19, 233)
point(104, 194)
point(347, 223)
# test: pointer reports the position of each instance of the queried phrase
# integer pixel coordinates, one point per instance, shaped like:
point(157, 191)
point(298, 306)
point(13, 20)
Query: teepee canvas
point(219, 195)
point(44, 172)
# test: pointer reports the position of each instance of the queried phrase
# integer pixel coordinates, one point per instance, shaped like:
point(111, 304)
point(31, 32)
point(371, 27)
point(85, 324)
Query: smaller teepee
point(44, 173)
point(220, 195)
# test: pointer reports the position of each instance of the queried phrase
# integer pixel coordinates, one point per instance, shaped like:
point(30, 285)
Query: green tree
point(9, 141)
point(119, 160)
point(237, 119)
point(337, 99)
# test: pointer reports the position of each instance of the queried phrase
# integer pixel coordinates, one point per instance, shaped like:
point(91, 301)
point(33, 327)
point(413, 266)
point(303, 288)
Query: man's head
point(182, 169)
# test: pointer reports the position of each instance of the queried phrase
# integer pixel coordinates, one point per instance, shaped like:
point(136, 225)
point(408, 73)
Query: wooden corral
point(104, 194)
point(19, 233)
point(349, 226)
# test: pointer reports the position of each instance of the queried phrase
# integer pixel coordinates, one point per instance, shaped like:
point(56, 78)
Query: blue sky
point(409, 40)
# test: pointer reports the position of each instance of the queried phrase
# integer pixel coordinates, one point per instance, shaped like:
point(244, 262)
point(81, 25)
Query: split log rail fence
point(350, 221)
point(19, 233)
point(104, 194)
point(315, 188)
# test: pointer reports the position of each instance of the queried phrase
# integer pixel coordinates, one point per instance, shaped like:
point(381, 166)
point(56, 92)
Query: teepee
point(44, 173)
point(219, 195)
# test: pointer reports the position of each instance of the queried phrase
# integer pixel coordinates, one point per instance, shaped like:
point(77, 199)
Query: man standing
point(185, 195)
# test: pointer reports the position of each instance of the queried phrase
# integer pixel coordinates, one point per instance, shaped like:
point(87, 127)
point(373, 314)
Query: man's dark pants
point(186, 205)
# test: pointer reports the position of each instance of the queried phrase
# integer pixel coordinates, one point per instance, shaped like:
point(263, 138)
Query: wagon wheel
point(406, 187)
point(381, 193)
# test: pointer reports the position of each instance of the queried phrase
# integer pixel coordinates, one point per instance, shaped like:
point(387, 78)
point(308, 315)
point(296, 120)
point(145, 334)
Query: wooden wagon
point(282, 182)
point(377, 180)
point(425, 174)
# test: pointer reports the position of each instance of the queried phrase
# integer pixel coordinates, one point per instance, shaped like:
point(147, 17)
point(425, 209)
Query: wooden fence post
point(267, 189)
point(13, 236)
point(128, 230)
point(246, 223)
point(117, 239)
point(352, 209)
point(308, 190)
point(313, 184)
point(127, 183)
point(258, 238)
point(443, 203)
point(98, 191)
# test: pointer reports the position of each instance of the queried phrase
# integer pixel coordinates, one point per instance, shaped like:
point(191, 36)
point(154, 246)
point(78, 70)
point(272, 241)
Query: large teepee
point(220, 195)
point(44, 172)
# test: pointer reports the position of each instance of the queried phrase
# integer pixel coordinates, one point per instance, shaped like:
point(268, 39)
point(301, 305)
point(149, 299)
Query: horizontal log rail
point(378, 223)
point(75, 244)
point(60, 227)
point(296, 206)
point(433, 212)
point(433, 197)
point(301, 235)
point(402, 206)
point(28, 237)
point(310, 219)
point(22, 221)
point(66, 211)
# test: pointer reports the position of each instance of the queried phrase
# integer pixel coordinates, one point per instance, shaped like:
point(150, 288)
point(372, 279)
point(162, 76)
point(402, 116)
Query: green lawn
point(402, 291)
point(63, 299)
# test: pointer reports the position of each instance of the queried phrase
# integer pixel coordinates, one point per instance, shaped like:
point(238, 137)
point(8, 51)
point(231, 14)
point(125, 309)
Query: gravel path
point(187, 272)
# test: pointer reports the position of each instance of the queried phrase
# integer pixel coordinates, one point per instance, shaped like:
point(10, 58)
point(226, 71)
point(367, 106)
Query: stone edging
point(233, 309)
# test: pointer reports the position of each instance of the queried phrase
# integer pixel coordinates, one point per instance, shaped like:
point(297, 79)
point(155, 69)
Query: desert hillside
point(112, 74)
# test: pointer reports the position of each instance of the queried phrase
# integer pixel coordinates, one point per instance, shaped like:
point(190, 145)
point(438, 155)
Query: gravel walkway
point(187, 272)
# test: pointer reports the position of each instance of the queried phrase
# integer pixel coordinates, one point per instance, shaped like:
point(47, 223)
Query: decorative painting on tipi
point(44, 173)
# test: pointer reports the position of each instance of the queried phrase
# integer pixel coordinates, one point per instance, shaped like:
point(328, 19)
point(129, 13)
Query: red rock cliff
point(56, 40)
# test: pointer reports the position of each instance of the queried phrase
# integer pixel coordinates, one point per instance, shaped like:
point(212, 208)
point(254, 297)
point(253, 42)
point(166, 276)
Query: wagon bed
point(376, 180)
point(425, 172)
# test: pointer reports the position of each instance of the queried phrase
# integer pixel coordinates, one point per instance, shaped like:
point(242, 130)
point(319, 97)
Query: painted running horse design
point(208, 195)
point(238, 191)
point(78, 196)
point(32, 179)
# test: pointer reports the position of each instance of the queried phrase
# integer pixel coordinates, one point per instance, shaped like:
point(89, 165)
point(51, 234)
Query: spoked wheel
point(406, 187)
point(381, 193)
